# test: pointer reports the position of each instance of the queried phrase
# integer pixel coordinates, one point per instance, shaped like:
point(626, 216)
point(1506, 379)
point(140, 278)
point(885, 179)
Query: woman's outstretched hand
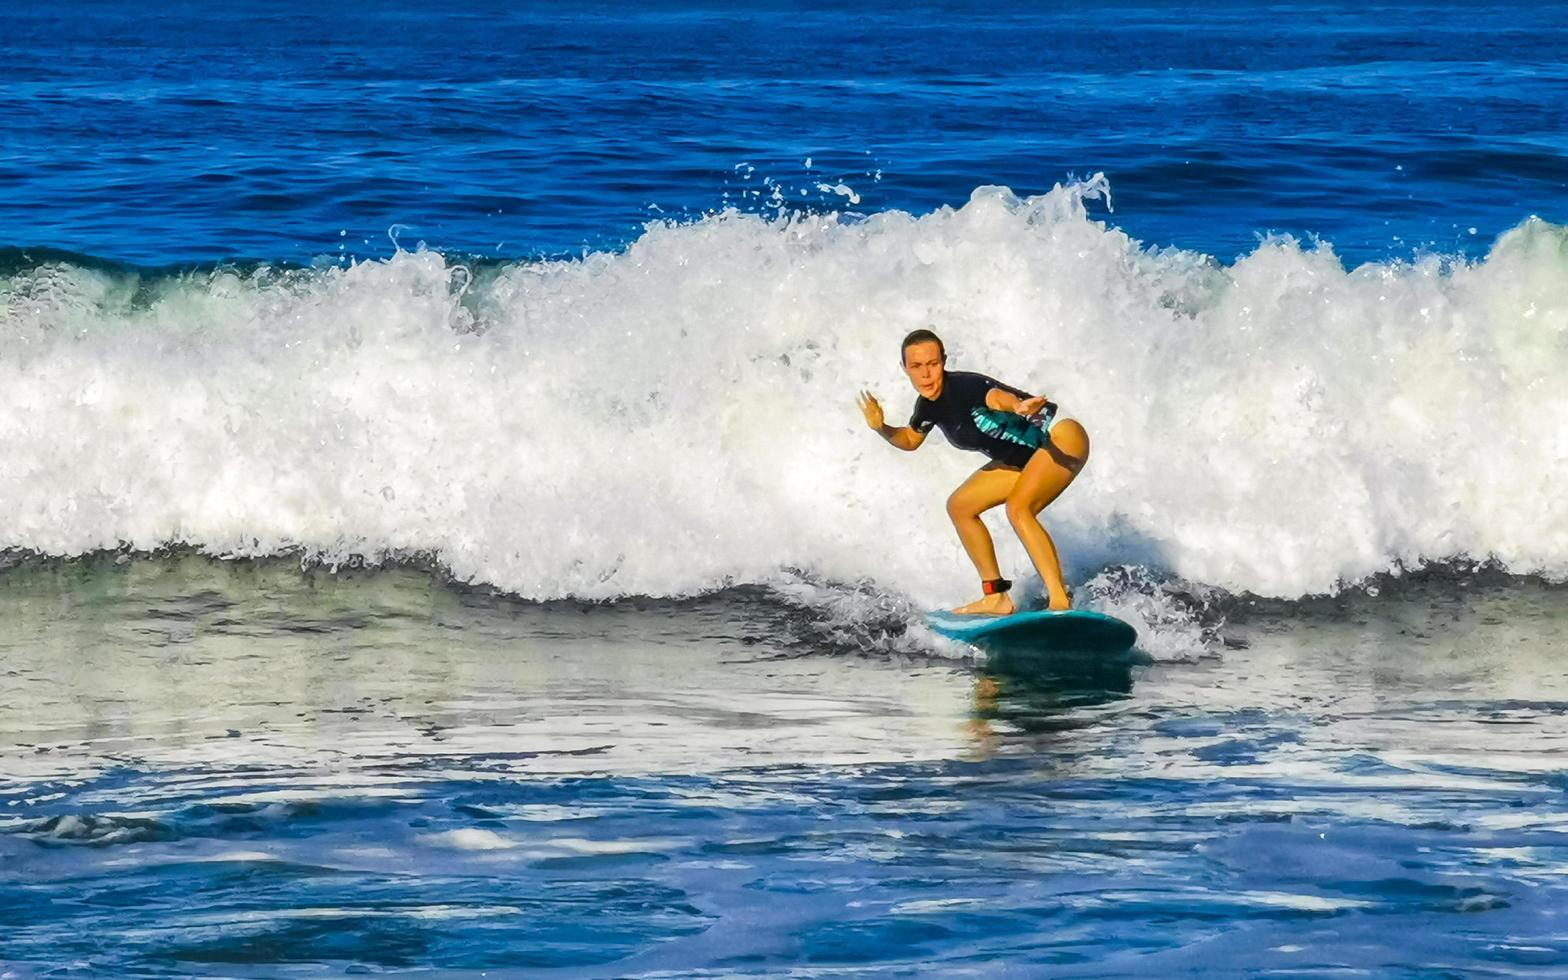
point(1029, 406)
point(872, 410)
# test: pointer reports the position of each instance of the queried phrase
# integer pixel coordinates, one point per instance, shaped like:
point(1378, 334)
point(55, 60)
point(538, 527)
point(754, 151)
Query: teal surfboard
point(1066, 629)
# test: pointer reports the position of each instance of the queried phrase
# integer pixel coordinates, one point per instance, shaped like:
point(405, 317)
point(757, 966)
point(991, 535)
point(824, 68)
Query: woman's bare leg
point(1047, 474)
point(984, 489)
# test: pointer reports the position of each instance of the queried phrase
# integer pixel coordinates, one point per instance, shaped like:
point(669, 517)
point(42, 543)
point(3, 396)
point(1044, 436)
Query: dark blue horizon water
point(289, 131)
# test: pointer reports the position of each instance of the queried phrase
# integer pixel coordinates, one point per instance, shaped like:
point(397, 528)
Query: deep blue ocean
point(437, 534)
point(280, 131)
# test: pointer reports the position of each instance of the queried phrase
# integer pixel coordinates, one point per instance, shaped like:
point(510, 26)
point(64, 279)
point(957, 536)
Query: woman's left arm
point(1002, 400)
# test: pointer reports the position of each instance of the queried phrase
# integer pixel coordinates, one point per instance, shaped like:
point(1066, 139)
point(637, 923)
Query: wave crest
point(679, 416)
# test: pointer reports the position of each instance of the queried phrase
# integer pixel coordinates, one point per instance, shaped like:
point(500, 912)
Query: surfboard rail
point(1074, 629)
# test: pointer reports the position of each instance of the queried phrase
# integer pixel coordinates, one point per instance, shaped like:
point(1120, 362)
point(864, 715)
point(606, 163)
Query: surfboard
point(1065, 629)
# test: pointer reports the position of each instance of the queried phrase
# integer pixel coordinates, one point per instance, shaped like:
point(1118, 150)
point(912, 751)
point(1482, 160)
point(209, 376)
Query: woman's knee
point(1019, 510)
point(959, 509)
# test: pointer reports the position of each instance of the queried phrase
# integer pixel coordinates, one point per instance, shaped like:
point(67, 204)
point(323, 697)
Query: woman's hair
point(921, 336)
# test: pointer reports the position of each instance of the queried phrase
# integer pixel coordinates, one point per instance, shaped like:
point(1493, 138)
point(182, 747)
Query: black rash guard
point(961, 413)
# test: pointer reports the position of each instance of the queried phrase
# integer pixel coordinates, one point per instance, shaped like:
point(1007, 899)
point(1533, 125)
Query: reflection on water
point(1024, 691)
point(243, 768)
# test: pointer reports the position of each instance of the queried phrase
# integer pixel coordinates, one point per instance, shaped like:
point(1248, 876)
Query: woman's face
point(923, 364)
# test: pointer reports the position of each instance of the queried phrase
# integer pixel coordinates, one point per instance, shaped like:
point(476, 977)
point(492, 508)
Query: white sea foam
point(842, 190)
point(681, 415)
point(471, 839)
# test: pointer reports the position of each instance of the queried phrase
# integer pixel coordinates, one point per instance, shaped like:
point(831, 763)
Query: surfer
point(1034, 456)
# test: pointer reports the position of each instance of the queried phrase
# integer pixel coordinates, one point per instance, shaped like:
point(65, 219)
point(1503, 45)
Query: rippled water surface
point(245, 769)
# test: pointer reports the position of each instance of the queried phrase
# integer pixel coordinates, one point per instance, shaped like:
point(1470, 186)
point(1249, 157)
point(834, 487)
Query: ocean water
point(437, 534)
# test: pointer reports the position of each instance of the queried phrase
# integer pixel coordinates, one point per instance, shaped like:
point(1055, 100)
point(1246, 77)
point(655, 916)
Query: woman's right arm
point(903, 437)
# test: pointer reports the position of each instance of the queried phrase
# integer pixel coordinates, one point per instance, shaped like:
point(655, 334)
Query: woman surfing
point(1033, 457)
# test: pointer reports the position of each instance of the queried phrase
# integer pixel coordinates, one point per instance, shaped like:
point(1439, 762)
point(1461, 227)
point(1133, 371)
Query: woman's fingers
point(870, 409)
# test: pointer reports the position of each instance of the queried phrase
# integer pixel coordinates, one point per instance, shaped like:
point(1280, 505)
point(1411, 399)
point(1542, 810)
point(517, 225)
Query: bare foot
point(1059, 603)
point(992, 605)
